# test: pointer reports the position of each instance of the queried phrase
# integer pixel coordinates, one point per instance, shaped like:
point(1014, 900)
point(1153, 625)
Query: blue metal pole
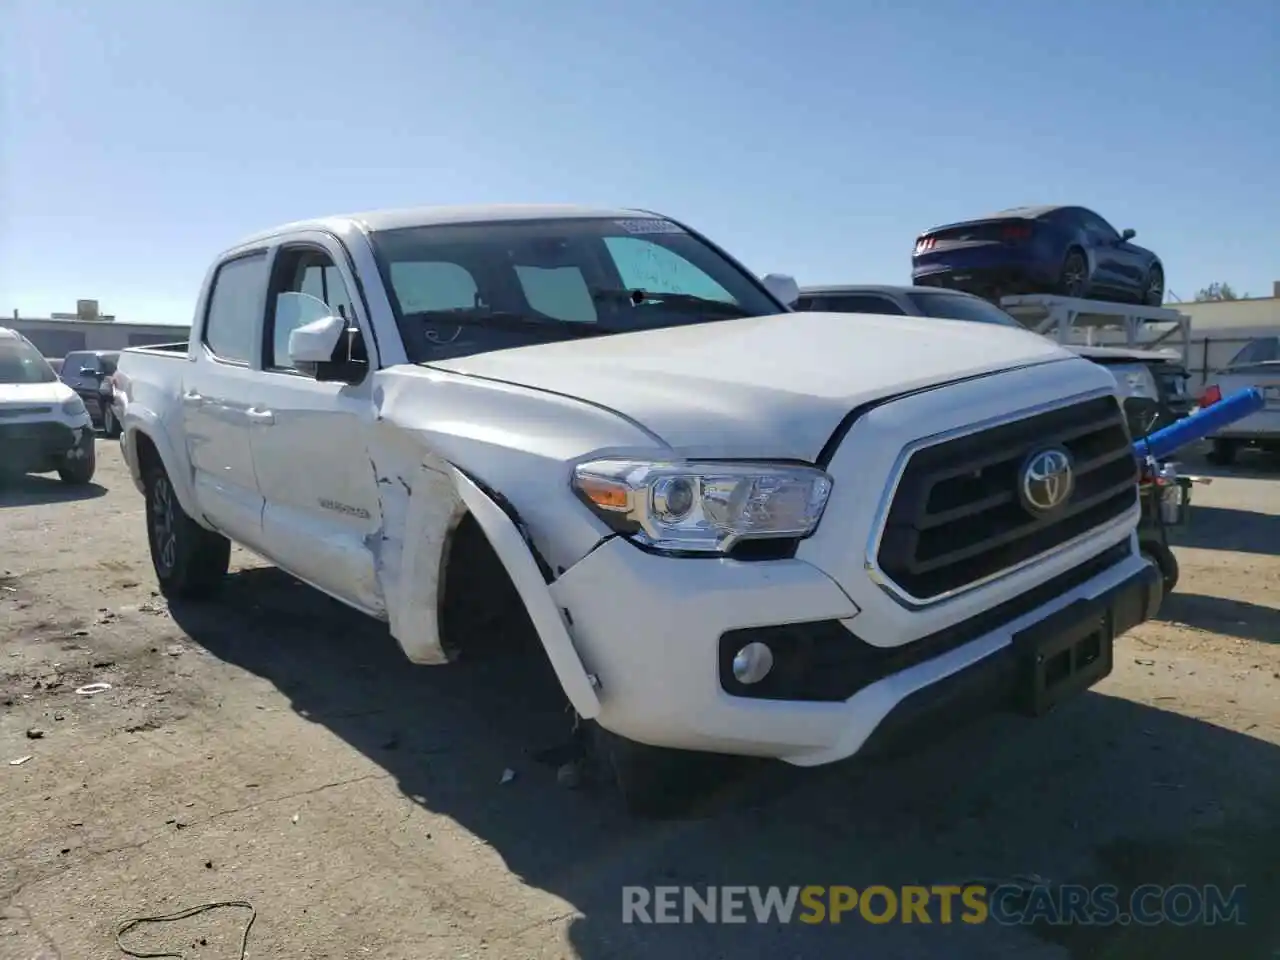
point(1200, 424)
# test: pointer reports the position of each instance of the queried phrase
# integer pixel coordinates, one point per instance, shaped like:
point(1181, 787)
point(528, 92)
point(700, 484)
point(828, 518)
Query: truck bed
point(161, 349)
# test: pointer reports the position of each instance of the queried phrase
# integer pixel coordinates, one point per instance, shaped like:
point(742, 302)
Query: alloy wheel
point(164, 527)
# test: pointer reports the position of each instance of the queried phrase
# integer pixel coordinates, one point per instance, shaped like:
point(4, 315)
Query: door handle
point(192, 399)
point(258, 415)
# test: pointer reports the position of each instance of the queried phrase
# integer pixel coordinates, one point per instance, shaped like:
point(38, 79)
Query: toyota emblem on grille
point(1047, 480)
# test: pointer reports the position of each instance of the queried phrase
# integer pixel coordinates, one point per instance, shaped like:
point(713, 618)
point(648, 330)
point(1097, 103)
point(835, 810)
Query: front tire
point(190, 562)
point(656, 782)
point(1224, 452)
point(1074, 279)
point(78, 471)
point(1153, 296)
point(1165, 561)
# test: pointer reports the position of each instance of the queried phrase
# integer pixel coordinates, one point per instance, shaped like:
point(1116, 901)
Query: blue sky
point(140, 137)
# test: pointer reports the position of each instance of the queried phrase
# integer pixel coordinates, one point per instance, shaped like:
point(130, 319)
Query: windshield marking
point(649, 225)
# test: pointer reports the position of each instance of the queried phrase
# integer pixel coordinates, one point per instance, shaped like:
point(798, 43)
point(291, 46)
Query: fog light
point(752, 663)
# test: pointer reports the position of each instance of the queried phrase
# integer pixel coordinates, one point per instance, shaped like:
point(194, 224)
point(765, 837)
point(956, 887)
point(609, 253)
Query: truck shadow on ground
point(1251, 465)
point(1225, 528)
point(29, 491)
point(1104, 790)
point(1233, 618)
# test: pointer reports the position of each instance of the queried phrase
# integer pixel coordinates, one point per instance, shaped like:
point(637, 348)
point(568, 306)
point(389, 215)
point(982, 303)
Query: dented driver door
point(321, 514)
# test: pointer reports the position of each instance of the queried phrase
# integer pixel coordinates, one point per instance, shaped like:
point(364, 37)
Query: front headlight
point(703, 507)
point(73, 406)
point(1135, 382)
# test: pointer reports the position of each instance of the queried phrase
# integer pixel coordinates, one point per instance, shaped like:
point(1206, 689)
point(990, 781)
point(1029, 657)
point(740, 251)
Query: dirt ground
point(276, 749)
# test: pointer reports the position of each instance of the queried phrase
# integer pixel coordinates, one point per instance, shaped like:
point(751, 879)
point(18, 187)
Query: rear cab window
point(850, 303)
point(950, 306)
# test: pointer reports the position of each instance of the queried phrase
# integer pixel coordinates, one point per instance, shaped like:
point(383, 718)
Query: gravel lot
point(275, 748)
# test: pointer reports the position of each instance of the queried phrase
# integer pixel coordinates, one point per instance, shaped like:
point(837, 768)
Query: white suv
point(44, 425)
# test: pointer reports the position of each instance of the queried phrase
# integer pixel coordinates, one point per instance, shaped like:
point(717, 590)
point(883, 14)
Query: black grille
point(957, 516)
point(21, 442)
point(6, 412)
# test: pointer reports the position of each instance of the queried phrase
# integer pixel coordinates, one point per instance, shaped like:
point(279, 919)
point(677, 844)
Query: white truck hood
point(34, 394)
point(775, 386)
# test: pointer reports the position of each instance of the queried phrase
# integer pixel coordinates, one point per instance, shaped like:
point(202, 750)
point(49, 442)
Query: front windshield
point(950, 306)
point(20, 362)
point(468, 288)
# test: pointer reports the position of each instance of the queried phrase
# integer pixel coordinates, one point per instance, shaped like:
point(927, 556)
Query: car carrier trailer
point(1095, 323)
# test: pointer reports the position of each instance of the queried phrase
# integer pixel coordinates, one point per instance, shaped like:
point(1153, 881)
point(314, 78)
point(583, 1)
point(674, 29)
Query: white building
point(87, 329)
point(1221, 328)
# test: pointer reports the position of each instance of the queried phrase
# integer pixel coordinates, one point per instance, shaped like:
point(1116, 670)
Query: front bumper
point(650, 628)
point(34, 446)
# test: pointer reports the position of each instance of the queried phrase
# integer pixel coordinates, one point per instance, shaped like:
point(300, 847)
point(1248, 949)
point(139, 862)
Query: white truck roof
point(395, 218)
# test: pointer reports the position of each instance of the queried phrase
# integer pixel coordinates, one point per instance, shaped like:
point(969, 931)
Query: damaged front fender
point(528, 579)
point(412, 571)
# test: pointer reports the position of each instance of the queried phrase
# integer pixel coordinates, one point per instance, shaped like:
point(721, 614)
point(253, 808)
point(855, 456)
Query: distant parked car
point(1062, 250)
point(1152, 385)
point(84, 372)
point(44, 426)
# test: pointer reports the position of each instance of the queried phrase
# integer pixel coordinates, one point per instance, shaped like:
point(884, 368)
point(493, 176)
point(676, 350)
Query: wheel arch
point(528, 572)
point(416, 573)
point(145, 445)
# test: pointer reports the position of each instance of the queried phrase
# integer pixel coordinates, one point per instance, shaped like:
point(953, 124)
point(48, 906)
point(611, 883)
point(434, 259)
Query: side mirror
point(328, 350)
point(1127, 235)
point(783, 287)
point(316, 342)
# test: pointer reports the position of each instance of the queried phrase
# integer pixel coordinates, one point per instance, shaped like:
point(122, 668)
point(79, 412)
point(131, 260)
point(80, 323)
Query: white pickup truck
point(734, 528)
point(1256, 365)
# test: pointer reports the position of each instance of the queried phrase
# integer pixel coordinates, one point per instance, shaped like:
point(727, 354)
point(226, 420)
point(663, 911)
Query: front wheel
point(1154, 293)
point(1074, 279)
point(657, 782)
point(190, 561)
point(80, 462)
point(1224, 452)
point(1165, 561)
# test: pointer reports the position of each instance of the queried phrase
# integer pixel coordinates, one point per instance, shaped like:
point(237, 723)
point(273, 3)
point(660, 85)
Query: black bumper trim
point(994, 683)
point(28, 445)
point(823, 661)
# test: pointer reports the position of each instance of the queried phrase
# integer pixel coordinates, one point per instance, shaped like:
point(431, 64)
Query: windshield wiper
point(708, 304)
point(510, 320)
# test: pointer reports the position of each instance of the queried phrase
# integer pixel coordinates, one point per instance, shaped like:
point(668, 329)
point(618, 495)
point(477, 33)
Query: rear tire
point(1153, 295)
point(1224, 452)
point(78, 471)
point(1073, 281)
point(190, 562)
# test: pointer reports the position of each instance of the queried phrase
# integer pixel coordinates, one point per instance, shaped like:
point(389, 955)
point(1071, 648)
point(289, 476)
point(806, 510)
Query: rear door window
point(861, 303)
point(235, 307)
point(949, 306)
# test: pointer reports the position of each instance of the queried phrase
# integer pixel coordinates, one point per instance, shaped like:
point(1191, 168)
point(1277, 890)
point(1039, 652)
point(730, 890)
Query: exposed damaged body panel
point(422, 461)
